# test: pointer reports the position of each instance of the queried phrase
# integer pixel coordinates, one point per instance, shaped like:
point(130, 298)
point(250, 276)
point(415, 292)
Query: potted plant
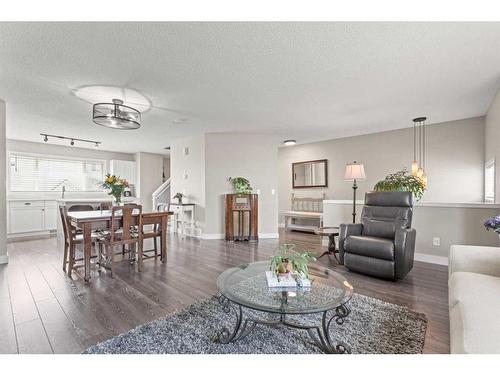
point(116, 187)
point(493, 223)
point(402, 181)
point(288, 262)
point(241, 185)
point(179, 197)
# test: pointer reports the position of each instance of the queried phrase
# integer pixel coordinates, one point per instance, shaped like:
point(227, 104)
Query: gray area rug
point(372, 327)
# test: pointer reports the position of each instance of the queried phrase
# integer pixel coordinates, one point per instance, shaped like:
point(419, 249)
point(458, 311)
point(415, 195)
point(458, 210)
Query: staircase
point(162, 194)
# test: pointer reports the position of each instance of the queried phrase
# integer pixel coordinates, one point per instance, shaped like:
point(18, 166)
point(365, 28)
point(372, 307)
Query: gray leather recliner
point(383, 244)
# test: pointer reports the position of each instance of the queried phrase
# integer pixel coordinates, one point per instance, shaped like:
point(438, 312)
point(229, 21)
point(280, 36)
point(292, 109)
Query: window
point(489, 181)
point(45, 173)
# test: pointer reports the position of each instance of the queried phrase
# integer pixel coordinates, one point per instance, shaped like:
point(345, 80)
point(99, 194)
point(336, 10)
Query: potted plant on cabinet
point(179, 197)
point(241, 185)
point(402, 181)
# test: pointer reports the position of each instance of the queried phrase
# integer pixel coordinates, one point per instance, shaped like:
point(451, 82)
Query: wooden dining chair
point(71, 239)
point(153, 232)
point(80, 207)
point(123, 231)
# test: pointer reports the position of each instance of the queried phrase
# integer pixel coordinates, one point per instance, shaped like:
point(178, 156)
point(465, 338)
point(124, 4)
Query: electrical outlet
point(273, 191)
point(436, 241)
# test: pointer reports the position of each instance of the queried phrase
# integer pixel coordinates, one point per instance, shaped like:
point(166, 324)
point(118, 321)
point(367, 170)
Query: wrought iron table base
point(319, 334)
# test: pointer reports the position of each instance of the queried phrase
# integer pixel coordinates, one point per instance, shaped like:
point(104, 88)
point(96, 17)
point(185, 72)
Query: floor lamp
point(353, 172)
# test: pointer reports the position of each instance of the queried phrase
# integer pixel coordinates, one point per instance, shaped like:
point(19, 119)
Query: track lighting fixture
point(72, 140)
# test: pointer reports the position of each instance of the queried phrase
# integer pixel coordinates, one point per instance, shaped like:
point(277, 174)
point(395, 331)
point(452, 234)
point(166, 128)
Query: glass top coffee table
point(246, 286)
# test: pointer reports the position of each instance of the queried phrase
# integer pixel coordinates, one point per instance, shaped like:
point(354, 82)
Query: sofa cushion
point(474, 313)
point(374, 247)
point(478, 259)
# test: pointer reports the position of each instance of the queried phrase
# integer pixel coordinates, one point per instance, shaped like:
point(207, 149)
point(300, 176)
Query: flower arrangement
point(289, 261)
point(493, 223)
point(116, 187)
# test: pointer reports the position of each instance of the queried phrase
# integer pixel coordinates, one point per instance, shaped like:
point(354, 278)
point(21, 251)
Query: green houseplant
point(179, 197)
point(287, 261)
point(241, 185)
point(402, 181)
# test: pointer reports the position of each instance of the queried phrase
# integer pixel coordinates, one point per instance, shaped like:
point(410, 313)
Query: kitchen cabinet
point(51, 215)
point(26, 216)
point(32, 216)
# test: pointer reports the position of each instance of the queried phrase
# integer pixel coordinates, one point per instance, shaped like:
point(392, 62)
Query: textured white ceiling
point(308, 81)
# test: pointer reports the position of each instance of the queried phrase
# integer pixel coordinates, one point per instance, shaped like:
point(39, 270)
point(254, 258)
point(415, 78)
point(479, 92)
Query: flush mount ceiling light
point(116, 115)
point(290, 142)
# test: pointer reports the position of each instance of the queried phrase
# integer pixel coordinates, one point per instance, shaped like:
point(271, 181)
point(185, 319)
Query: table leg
point(87, 249)
point(163, 241)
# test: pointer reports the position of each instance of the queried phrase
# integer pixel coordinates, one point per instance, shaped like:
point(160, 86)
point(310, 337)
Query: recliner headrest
point(389, 198)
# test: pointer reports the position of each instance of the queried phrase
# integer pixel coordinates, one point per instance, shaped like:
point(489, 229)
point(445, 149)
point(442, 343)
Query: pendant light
point(418, 164)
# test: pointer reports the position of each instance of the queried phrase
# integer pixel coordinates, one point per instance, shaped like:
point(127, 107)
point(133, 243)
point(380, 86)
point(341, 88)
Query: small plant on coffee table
point(289, 261)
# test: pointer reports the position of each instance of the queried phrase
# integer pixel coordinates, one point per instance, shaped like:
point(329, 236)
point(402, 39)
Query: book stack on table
point(285, 283)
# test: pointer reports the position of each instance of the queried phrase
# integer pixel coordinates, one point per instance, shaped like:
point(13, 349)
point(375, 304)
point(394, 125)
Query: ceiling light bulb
point(96, 145)
point(290, 142)
point(46, 139)
point(72, 143)
point(414, 168)
point(420, 172)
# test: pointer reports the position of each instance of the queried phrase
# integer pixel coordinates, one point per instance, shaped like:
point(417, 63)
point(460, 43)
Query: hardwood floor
point(44, 311)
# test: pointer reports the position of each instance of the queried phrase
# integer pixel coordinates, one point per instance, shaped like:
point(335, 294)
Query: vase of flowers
point(115, 186)
point(493, 223)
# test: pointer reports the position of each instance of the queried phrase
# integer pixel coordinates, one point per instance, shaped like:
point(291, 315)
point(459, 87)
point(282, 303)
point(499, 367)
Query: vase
point(117, 201)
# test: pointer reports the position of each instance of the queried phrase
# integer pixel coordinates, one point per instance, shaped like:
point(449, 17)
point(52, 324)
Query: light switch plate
point(436, 241)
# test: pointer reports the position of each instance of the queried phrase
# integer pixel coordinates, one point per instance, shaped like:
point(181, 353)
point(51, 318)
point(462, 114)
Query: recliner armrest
point(346, 230)
point(404, 249)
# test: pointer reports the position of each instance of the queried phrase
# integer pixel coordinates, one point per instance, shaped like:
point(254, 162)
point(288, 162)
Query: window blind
point(489, 181)
point(41, 173)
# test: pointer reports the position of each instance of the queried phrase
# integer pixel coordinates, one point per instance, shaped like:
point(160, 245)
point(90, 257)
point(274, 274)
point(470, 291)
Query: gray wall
point(492, 139)
point(3, 187)
point(455, 224)
point(252, 156)
point(203, 176)
point(149, 177)
point(192, 183)
point(455, 158)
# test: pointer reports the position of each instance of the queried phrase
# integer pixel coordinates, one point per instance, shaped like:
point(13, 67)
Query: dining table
point(87, 221)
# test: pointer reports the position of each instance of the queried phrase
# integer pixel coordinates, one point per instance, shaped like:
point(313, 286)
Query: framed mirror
point(310, 174)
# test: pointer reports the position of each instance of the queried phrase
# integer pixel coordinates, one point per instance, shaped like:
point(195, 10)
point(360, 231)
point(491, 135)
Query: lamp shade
point(354, 171)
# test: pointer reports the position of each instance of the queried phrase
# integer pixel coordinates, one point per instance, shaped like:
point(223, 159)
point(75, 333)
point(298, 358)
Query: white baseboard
point(435, 259)
point(4, 259)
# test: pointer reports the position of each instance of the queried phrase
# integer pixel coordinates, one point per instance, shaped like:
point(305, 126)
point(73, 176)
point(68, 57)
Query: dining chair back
point(80, 207)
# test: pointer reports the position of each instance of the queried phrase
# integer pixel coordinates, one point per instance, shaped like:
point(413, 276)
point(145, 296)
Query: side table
point(331, 233)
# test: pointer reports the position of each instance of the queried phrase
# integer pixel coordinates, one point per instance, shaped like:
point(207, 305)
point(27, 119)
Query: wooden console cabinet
point(242, 217)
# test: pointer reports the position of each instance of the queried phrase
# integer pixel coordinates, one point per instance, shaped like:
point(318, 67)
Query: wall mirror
point(309, 174)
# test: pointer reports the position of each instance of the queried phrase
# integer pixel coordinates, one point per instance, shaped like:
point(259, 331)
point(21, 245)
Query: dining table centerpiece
point(116, 187)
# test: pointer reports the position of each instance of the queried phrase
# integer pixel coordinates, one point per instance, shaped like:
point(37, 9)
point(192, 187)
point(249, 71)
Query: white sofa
point(474, 299)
